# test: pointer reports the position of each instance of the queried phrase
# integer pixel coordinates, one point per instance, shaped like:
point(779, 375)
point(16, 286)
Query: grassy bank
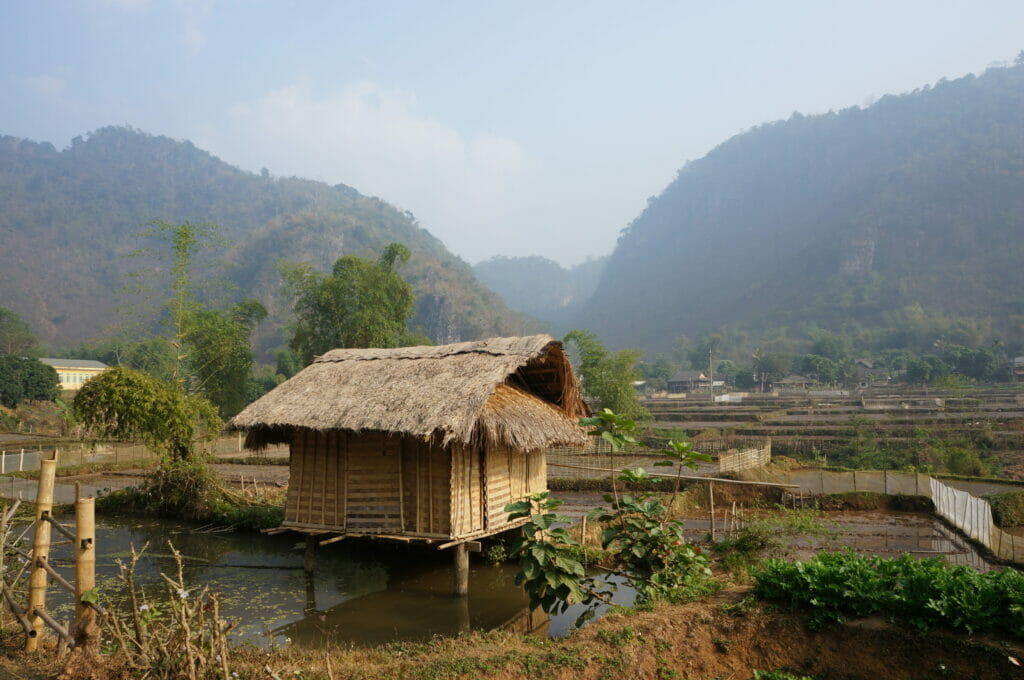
point(729, 635)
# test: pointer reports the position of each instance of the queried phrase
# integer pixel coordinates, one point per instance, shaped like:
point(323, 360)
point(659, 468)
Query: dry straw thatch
point(518, 392)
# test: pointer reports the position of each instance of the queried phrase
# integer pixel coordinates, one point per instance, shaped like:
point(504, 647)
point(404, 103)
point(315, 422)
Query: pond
point(361, 593)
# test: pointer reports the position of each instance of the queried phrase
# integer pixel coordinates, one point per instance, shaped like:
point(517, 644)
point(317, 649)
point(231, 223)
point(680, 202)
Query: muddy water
point(890, 535)
point(361, 593)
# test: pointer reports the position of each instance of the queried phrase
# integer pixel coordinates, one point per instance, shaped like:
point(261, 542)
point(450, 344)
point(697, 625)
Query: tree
point(210, 349)
point(361, 303)
point(829, 346)
point(219, 358)
point(608, 377)
point(821, 368)
point(16, 338)
point(771, 366)
point(287, 361)
point(153, 356)
point(657, 373)
point(128, 405)
point(25, 378)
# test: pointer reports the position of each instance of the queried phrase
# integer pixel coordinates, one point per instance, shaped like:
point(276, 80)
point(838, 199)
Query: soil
point(725, 637)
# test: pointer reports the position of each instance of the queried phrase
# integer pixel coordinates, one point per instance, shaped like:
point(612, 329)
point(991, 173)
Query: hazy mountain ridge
point(835, 218)
point(68, 218)
point(540, 287)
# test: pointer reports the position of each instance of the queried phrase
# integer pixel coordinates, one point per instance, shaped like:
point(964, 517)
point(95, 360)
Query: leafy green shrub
point(923, 593)
point(764, 536)
point(870, 500)
point(1007, 508)
point(187, 489)
point(549, 573)
point(8, 421)
point(651, 548)
point(779, 674)
point(604, 484)
point(853, 500)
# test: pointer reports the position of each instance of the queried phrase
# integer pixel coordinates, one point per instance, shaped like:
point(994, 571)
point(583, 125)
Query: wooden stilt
point(40, 553)
point(309, 563)
point(460, 580)
point(462, 621)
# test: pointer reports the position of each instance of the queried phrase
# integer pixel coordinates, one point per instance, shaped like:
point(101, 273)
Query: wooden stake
point(40, 552)
point(460, 577)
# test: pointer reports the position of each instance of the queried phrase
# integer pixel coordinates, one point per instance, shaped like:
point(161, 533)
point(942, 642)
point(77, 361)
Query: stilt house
point(419, 443)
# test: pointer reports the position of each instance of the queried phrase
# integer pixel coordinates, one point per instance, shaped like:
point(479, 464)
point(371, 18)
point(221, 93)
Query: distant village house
point(689, 381)
point(73, 373)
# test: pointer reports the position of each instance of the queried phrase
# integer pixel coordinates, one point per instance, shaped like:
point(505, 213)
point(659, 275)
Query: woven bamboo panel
point(466, 491)
point(426, 475)
point(537, 471)
point(500, 473)
point(511, 476)
point(374, 484)
point(315, 492)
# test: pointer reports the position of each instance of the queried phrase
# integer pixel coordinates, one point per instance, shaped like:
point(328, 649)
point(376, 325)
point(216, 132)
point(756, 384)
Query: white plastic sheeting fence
point(968, 513)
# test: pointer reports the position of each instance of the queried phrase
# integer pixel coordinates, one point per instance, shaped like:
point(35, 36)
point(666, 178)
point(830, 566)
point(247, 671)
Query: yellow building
point(74, 373)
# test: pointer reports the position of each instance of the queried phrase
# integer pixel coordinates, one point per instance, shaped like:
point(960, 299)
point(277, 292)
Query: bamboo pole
point(3, 549)
point(85, 556)
point(711, 504)
point(40, 552)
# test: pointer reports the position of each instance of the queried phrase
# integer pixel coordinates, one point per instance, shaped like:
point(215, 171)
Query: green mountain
point(851, 220)
point(540, 287)
point(68, 220)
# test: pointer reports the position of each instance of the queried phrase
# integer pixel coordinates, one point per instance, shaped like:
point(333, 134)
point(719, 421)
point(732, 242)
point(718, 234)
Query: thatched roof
point(519, 392)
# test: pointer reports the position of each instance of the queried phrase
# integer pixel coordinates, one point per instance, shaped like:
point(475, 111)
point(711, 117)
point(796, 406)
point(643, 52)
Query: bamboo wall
point(466, 492)
point(510, 476)
point(426, 490)
point(373, 483)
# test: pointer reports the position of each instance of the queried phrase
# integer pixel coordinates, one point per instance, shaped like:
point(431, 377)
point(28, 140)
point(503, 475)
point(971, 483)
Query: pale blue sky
point(507, 128)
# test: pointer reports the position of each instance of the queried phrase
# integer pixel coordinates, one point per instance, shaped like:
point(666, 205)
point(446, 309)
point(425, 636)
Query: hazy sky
point(507, 128)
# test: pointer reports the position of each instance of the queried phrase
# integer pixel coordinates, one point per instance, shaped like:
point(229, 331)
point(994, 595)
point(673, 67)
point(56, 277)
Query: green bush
point(779, 675)
point(1007, 508)
point(187, 489)
point(923, 593)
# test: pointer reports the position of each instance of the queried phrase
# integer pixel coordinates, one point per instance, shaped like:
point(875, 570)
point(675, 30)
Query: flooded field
point(361, 594)
point(888, 534)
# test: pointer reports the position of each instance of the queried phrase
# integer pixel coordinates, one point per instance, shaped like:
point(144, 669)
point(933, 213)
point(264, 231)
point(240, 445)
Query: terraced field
point(807, 423)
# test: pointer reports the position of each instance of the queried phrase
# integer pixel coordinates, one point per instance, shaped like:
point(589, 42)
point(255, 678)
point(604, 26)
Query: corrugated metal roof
point(73, 363)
